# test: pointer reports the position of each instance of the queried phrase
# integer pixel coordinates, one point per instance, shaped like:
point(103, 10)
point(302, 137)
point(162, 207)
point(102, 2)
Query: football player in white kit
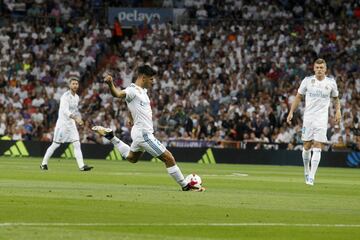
point(318, 90)
point(65, 128)
point(138, 103)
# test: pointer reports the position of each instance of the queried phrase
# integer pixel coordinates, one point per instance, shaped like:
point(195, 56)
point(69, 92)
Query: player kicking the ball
point(318, 89)
point(138, 103)
point(65, 128)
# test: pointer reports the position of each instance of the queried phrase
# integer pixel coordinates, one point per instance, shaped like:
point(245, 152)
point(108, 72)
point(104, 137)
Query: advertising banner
point(203, 155)
point(135, 16)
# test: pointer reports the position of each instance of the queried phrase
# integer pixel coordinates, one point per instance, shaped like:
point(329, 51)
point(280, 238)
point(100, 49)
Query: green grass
point(119, 200)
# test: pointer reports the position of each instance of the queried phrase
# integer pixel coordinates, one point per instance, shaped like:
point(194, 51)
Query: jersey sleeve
point(77, 112)
point(64, 106)
point(130, 93)
point(334, 89)
point(303, 87)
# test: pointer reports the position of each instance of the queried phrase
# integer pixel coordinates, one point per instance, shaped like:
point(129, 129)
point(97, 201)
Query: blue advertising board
point(136, 16)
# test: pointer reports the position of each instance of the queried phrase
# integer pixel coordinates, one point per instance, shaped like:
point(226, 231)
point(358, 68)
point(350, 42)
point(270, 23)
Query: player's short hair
point(320, 61)
point(74, 78)
point(146, 70)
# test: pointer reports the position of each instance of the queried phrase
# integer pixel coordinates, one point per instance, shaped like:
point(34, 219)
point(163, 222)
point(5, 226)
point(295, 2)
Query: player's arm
point(338, 111)
point(335, 96)
point(294, 106)
point(300, 93)
point(77, 119)
point(65, 109)
point(131, 120)
point(108, 79)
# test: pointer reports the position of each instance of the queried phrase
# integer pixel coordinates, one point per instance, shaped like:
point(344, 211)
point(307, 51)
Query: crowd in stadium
point(230, 73)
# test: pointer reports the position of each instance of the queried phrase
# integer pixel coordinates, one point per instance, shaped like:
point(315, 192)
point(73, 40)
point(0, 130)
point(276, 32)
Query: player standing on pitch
point(142, 131)
point(318, 89)
point(65, 129)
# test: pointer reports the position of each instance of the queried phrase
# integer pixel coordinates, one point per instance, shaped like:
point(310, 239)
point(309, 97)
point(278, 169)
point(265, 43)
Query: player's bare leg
point(175, 172)
point(133, 157)
point(123, 148)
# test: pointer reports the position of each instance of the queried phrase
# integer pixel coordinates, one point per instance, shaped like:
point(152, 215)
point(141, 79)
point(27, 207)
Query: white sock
point(123, 148)
point(49, 153)
point(78, 154)
point(306, 155)
point(175, 172)
point(315, 160)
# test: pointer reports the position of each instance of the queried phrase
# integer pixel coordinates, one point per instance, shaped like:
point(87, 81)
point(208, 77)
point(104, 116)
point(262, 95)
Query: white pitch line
point(18, 224)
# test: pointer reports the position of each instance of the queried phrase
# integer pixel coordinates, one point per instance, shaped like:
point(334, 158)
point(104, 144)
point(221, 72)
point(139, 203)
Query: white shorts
point(314, 133)
point(146, 142)
point(64, 134)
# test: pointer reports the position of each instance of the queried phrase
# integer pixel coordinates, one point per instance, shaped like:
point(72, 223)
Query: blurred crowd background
point(228, 70)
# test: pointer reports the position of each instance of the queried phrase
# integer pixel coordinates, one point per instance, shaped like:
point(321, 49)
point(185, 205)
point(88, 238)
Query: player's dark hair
point(146, 70)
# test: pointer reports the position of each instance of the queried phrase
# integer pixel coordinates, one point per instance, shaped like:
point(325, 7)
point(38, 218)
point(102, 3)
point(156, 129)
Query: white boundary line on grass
point(23, 224)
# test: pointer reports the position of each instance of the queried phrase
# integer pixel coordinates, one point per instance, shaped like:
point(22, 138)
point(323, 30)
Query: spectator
point(201, 15)
point(339, 145)
point(168, 4)
point(335, 136)
point(2, 127)
point(38, 101)
point(117, 31)
point(231, 80)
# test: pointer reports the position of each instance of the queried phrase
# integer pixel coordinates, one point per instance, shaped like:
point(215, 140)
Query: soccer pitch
point(119, 200)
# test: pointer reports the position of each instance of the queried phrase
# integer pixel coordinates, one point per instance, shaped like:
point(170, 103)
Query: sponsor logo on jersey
point(318, 94)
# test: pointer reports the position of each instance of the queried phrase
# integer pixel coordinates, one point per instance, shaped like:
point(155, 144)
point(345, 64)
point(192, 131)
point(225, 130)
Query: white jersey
point(68, 105)
point(317, 99)
point(138, 103)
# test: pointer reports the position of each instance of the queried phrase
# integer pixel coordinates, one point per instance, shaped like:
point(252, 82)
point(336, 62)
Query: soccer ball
point(194, 180)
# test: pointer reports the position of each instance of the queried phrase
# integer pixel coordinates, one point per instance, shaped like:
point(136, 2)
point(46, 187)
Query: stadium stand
point(227, 72)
